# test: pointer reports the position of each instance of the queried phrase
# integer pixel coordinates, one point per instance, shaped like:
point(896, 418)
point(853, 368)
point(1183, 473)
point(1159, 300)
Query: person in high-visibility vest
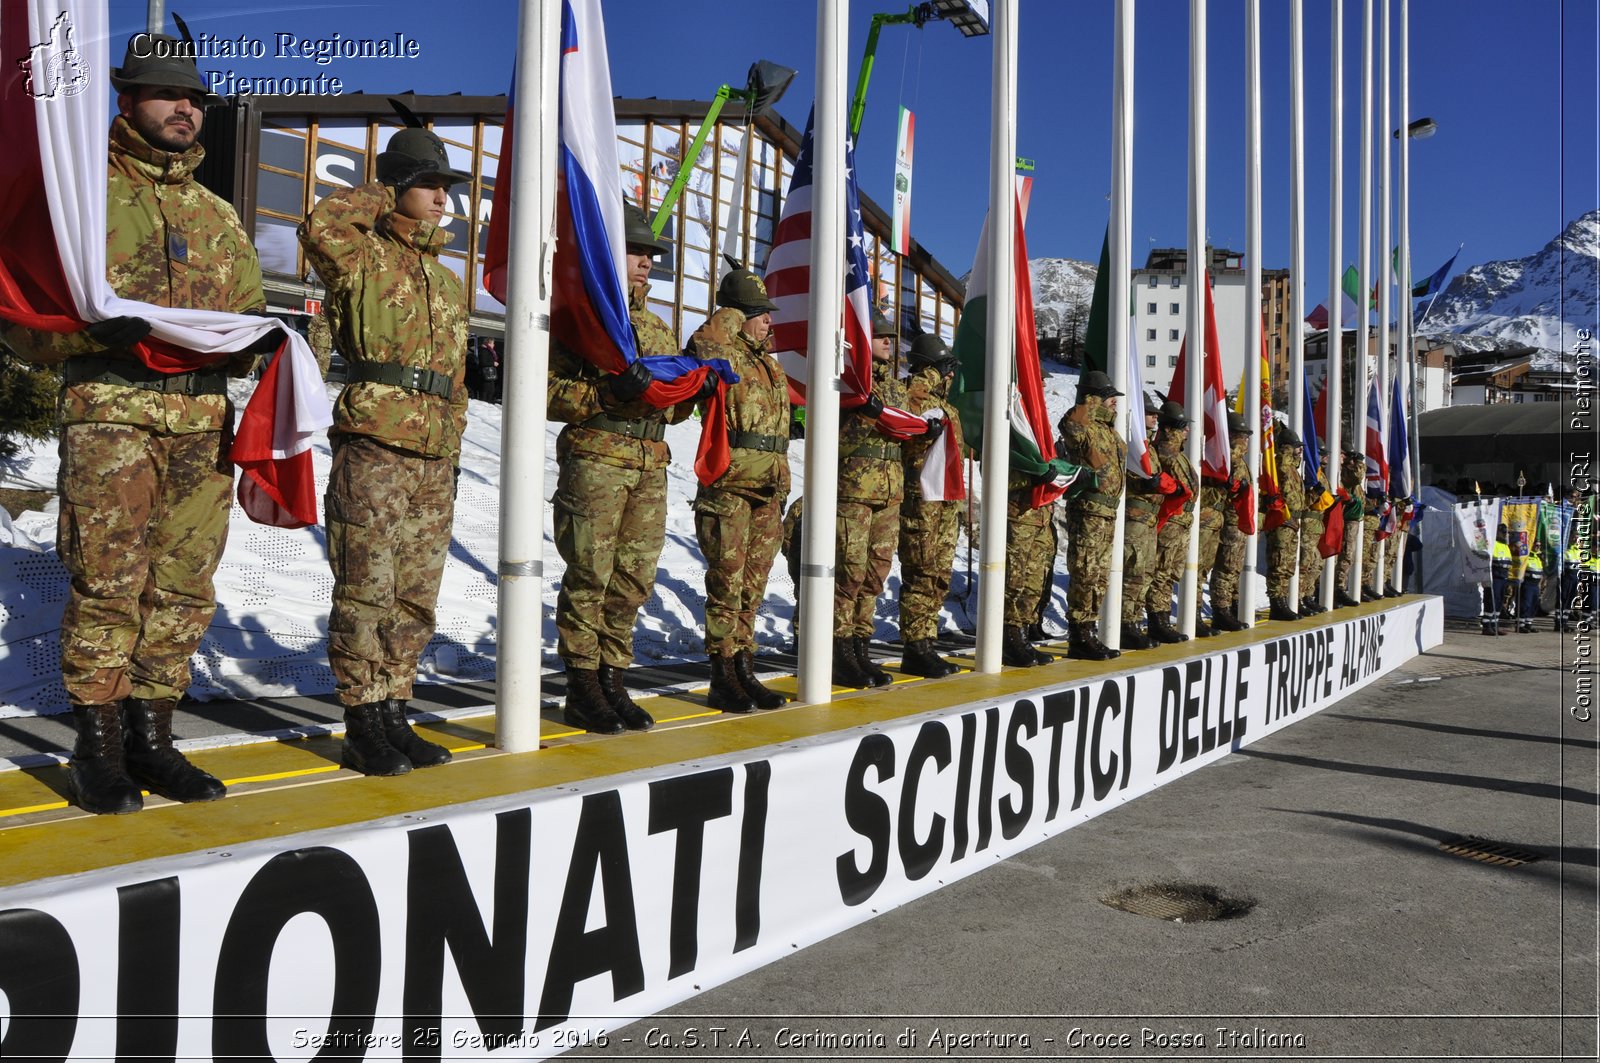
point(1532, 581)
point(1499, 573)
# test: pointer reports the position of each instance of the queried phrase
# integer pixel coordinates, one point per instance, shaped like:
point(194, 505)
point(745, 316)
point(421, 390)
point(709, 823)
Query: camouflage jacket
point(1291, 481)
point(394, 302)
point(1144, 496)
point(170, 241)
point(926, 389)
point(1175, 463)
point(758, 405)
point(870, 468)
point(1217, 495)
point(319, 334)
point(578, 390)
point(1092, 441)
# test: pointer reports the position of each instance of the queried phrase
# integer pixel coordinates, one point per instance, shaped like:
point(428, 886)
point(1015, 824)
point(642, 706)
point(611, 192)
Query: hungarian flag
point(589, 294)
point(1097, 355)
point(1214, 456)
point(1033, 446)
point(54, 115)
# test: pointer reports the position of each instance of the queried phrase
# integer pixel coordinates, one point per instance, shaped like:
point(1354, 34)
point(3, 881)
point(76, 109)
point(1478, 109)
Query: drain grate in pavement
point(1487, 852)
point(1178, 902)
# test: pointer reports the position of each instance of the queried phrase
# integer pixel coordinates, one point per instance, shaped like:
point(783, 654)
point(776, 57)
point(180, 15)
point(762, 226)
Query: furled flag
point(1399, 446)
point(1277, 510)
point(1097, 355)
point(1349, 297)
point(1213, 397)
point(53, 252)
point(1033, 446)
point(1435, 281)
point(589, 296)
point(1316, 491)
point(1377, 460)
point(941, 478)
point(1139, 460)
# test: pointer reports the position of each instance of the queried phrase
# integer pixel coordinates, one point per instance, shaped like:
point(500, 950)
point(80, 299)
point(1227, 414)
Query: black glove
point(118, 333)
point(455, 482)
point(631, 382)
point(872, 408)
point(935, 429)
point(708, 387)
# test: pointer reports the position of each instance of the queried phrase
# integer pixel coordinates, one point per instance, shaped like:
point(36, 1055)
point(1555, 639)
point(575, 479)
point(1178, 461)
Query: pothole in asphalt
point(1484, 851)
point(1179, 902)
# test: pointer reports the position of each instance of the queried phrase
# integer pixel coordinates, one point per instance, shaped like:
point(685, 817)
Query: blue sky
point(1514, 92)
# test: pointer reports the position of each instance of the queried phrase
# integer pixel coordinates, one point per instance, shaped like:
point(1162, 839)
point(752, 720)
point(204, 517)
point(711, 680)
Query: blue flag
point(1435, 281)
point(1313, 455)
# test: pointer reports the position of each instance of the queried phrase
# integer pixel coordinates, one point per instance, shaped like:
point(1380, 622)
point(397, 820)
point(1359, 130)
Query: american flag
point(789, 282)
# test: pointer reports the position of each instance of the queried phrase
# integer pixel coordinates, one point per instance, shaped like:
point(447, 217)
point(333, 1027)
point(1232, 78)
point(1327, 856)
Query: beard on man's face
point(172, 132)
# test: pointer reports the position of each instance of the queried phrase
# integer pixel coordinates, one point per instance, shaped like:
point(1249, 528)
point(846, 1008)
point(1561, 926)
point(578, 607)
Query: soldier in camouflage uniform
point(1283, 546)
point(145, 480)
point(1030, 559)
point(1178, 481)
point(1217, 498)
point(1231, 543)
point(1313, 524)
point(739, 516)
point(928, 529)
point(871, 486)
point(319, 334)
point(1094, 443)
point(1353, 478)
point(396, 438)
point(1139, 538)
point(610, 502)
point(1370, 519)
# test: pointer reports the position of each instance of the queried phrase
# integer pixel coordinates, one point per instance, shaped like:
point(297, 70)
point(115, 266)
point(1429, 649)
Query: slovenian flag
point(54, 114)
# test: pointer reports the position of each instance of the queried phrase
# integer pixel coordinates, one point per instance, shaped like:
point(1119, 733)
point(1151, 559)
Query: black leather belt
point(653, 429)
point(756, 441)
point(130, 374)
point(881, 451)
point(410, 377)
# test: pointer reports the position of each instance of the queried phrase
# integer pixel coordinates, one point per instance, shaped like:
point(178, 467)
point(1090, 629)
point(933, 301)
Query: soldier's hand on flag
point(935, 429)
point(1167, 484)
point(872, 408)
point(708, 386)
point(631, 382)
point(118, 333)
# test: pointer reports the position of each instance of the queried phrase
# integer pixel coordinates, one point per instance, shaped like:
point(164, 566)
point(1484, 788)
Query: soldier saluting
point(1093, 442)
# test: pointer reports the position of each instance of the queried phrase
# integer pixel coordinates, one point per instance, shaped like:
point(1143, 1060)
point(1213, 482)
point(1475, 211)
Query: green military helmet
point(636, 230)
point(1285, 437)
point(1173, 416)
point(1152, 404)
point(743, 290)
point(1354, 457)
point(1236, 425)
point(1097, 383)
point(881, 325)
point(159, 60)
point(414, 156)
point(927, 350)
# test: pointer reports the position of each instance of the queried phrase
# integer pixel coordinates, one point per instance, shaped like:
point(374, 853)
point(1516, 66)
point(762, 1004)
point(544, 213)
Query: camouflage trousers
point(389, 521)
point(863, 551)
point(1172, 551)
point(1312, 525)
point(928, 533)
point(144, 517)
point(1283, 553)
point(1088, 564)
point(739, 535)
point(1354, 532)
point(1030, 558)
point(1369, 552)
point(610, 525)
point(1211, 522)
point(1138, 565)
point(1229, 567)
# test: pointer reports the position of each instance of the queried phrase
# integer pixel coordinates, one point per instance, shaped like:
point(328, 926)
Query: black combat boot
point(366, 742)
point(1036, 633)
point(1083, 644)
point(920, 659)
point(96, 774)
point(744, 668)
point(1391, 591)
point(587, 706)
point(846, 669)
point(1017, 652)
point(1203, 630)
point(1369, 593)
point(153, 763)
point(1310, 606)
point(869, 668)
point(1225, 620)
point(1134, 639)
point(616, 693)
point(1342, 599)
point(1161, 629)
point(726, 692)
point(397, 729)
point(1280, 610)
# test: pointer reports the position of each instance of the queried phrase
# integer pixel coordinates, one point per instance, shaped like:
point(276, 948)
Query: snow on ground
point(269, 637)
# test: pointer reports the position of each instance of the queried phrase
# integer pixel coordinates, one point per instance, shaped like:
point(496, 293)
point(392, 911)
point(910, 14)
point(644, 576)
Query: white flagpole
point(1001, 337)
point(1358, 394)
point(1252, 286)
point(1404, 343)
point(1384, 275)
point(1303, 585)
point(824, 360)
point(1199, 260)
point(1335, 402)
point(522, 433)
point(1121, 253)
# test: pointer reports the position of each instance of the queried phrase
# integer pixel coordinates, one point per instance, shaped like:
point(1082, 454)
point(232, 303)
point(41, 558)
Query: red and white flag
point(54, 114)
point(1377, 461)
point(941, 479)
point(1213, 398)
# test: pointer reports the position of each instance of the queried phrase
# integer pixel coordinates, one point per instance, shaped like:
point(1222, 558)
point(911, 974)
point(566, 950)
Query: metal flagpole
point(824, 359)
point(1199, 260)
point(1252, 293)
point(1121, 253)
point(1335, 401)
point(522, 430)
point(1384, 275)
point(1000, 338)
point(1298, 414)
point(1405, 344)
point(1358, 391)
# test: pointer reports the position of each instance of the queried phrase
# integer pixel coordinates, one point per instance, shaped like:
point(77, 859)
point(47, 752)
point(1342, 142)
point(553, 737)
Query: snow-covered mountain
point(1061, 287)
point(1540, 301)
